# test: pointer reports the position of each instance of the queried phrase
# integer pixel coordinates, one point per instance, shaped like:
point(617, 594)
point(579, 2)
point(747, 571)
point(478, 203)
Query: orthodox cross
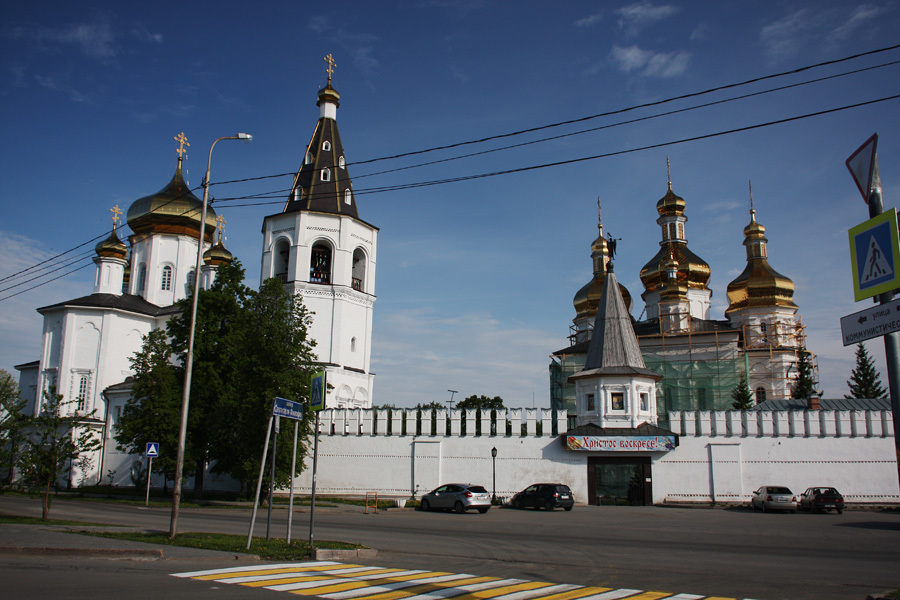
point(220, 221)
point(331, 65)
point(182, 140)
point(117, 212)
point(668, 172)
point(750, 185)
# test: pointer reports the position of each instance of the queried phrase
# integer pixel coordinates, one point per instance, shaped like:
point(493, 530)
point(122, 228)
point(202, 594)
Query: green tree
point(742, 398)
point(480, 403)
point(805, 383)
point(11, 421)
point(865, 382)
point(53, 444)
point(153, 413)
point(429, 412)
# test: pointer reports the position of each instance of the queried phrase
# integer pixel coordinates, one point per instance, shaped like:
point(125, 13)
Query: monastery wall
point(722, 456)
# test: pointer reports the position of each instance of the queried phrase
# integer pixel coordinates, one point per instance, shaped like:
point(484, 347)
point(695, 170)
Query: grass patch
point(274, 549)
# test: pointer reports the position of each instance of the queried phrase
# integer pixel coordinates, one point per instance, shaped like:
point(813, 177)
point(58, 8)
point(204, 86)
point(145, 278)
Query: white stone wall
point(722, 456)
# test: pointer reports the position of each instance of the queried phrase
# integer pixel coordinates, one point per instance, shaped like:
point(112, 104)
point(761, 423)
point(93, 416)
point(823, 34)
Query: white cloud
point(635, 17)
point(419, 354)
point(589, 20)
point(650, 64)
point(860, 16)
point(782, 39)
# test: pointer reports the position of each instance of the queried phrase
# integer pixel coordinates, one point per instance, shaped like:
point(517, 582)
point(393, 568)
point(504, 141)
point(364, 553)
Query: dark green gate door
point(619, 481)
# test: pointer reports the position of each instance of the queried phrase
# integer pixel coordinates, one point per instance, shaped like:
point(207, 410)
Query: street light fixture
point(189, 362)
point(494, 465)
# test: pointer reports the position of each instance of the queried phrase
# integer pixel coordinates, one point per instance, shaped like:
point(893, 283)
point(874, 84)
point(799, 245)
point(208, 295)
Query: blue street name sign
point(288, 409)
point(152, 450)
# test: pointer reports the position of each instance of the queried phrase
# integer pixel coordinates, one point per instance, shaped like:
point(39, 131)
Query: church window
point(671, 231)
point(645, 401)
point(665, 233)
point(281, 260)
point(309, 158)
point(348, 196)
point(359, 270)
point(681, 231)
point(142, 278)
point(341, 162)
point(166, 281)
point(617, 401)
point(326, 174)
point(320, 264)
point(326, 146)
point(82, 384)
point(760, 394)
point(190, 282)
point(702, 403)
point(590, 402)
point(353, 344)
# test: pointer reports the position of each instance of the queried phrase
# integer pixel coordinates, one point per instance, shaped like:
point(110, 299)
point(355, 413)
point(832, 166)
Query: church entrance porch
point(620, 481)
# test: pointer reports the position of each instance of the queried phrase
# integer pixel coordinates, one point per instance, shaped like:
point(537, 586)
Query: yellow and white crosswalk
point(339, 581)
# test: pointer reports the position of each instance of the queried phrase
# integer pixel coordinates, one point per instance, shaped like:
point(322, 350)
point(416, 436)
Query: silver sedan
point(773, 497)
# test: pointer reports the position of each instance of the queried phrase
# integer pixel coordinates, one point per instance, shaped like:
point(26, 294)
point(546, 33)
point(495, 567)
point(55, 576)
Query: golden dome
point(112, 247)
point(670, 204)
point(217, 255)
point(759, 285)
point(173, 209)
point(587, 299)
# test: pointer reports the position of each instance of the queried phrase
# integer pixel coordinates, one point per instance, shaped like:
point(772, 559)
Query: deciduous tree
point(11, 421)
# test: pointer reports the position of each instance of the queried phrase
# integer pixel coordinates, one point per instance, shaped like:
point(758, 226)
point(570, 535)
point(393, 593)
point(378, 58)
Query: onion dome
point(112, 247)
point(217, 255)
point(759, 285)
point(587, 299)
point(322, 184)
point(693, 271)
point(174, 209)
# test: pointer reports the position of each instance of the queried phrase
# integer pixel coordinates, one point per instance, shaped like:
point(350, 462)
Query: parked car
point(817, 499)
point(459, 497)
point(545, 495)
point(773, 497)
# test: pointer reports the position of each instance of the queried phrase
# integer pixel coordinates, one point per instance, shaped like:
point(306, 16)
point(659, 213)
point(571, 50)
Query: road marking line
point(257, 568)
point(510, 591)
point(613, 594)
point(389, 591)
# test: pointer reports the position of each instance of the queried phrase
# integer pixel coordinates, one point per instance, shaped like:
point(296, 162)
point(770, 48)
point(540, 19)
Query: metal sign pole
point(262, 468)
point(312, 503)
point(149, 470)
point(291, 493)
point(272, 477)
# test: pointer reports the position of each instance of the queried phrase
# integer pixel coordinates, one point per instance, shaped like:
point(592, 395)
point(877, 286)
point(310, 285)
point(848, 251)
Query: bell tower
point(320, 249)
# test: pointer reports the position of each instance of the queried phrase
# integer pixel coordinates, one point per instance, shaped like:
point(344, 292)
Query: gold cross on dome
point(182, 140)
point(331, 65)
point(117, 212)
point(220, 222)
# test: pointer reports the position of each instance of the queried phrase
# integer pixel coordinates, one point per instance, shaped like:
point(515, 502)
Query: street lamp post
point(494, 465)
point(189, 362)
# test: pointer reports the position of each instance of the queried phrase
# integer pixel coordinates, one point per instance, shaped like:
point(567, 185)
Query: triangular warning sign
point(876, 265)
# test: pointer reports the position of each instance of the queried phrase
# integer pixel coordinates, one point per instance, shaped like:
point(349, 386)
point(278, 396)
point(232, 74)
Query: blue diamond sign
point(875, 256)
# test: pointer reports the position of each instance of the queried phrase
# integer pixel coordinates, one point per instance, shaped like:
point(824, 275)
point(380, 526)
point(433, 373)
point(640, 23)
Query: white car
point(458, 497)
point(773, 497)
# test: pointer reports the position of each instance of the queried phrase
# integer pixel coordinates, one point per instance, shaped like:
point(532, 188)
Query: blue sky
point(475, 278)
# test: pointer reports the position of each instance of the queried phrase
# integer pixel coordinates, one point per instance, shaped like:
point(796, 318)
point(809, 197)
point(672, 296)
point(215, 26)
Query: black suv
point(545, 495)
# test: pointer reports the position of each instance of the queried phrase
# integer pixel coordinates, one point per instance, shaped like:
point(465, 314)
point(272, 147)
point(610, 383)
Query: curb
point(328, 554)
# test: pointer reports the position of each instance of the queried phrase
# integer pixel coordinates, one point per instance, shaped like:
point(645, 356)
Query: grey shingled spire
point(614, 347)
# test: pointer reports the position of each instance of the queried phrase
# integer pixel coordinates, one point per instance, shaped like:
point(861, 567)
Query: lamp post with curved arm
point(189, 362)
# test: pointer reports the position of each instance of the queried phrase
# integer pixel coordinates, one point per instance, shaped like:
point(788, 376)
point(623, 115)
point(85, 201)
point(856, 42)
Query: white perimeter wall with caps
point(722, 456)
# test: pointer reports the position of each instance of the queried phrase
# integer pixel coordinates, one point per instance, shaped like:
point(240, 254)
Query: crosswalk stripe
point(332, 580)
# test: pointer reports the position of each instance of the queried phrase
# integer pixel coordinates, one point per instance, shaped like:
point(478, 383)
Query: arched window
point(142, 278)
point(665, 232)
point(281, 260)
point(309, 158)
point(760, 394)
point(326, 146)
point(192, 275)
point(165, 283)
point(348, 196)
point(681, 231)
point(359, 270)
point(353, 344)
point(320, 264)
point(326, 174)
point(341, 162)
point(671, 231)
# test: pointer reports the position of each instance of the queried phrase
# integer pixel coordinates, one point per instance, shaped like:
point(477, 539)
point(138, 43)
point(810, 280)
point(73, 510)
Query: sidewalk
point(61, 540)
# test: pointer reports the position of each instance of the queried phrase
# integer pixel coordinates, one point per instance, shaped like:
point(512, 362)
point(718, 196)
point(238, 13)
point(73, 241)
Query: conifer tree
point(741, 395)
point(804, 384)
point(865, 382)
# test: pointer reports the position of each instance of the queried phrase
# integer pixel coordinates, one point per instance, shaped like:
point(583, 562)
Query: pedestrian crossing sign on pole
point(875, 256)
point(152, 450)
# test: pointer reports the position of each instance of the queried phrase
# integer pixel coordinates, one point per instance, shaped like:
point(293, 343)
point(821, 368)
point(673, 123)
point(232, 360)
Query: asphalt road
point(732, 553)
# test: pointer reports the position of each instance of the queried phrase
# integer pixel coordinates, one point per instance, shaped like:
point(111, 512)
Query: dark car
point(458, 497)
point(545, 495)
point(816, 499)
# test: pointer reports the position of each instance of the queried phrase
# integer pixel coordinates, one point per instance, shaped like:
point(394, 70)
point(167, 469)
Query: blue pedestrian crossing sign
point(875, 256)
point(152, 450)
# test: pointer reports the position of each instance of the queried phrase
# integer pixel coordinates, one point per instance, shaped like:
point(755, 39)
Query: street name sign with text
point(870, 323)
point(288, 409)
